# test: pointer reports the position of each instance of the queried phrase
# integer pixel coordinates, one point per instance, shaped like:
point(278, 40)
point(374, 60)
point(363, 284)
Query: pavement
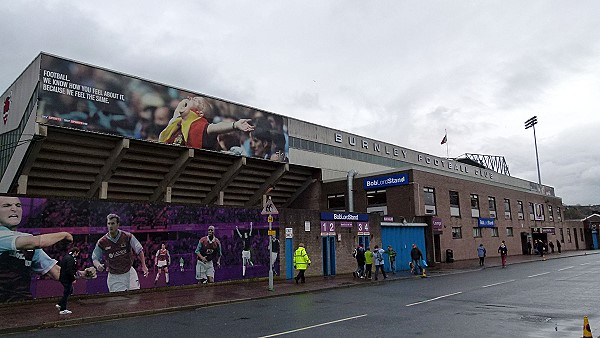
point(41, 313)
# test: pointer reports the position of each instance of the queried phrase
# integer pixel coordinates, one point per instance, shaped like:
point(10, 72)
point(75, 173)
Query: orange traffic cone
point(587, 331)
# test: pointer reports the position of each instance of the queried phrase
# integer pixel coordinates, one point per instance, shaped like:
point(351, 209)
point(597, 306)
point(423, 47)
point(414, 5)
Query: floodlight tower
point(531, 124)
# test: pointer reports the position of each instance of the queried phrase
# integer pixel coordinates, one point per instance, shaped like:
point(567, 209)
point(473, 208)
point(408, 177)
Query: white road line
point(508, 281)
point(312, 326)
point(436, 298)
point(539, 274)
point(568, 267)
point(586, 263)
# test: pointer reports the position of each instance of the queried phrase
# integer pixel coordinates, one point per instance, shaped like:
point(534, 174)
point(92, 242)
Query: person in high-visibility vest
point(301, 262)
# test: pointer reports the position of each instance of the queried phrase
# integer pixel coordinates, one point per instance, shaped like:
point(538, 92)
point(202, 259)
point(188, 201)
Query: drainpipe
point(351, 174)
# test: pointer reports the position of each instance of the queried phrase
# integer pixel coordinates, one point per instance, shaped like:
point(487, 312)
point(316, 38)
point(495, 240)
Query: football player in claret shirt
point(119, 246)
point(207, 251)
point(162, 260)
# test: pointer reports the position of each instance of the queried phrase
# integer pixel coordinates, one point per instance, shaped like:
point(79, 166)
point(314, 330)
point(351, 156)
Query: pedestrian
point(68, 275)
point(378, 254)
point(503, 251)
point(558, 245)
point(481, 254)
point(392, 256)
point(540, 248)
point(416, 255)
point(359, 254)
point(301, 262)
point(274, 252)
point(551, 245)
point(368, 262)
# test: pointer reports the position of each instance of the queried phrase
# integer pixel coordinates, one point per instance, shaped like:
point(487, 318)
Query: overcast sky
point(396, 71)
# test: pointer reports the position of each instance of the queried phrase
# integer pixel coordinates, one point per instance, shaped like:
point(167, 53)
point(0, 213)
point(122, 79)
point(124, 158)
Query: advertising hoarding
point(80, 96)
point(178, 227)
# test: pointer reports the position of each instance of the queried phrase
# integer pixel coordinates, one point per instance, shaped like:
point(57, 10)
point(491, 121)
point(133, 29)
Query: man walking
point(416, 256)
point(503, 251)
point(68, 275)
point(359, 254)
point(301, 263)
point(378, 254)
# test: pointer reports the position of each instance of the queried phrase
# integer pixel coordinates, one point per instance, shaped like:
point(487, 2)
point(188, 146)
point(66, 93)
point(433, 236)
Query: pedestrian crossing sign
point(269, 208)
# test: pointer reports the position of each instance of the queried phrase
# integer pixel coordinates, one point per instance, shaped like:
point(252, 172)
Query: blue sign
point(344, 216)
point(487, 222)
point(385, 181)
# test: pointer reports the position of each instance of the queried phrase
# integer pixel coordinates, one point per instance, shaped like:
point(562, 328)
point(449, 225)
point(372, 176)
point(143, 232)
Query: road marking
point(436, 298)
point(539, 274)
point(508, 281)
point(586, 263)
point(312, 326)
point(568, 267)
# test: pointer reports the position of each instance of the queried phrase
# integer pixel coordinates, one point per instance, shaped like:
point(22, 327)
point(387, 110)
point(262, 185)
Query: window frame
point(456, 232)
point(475, 206)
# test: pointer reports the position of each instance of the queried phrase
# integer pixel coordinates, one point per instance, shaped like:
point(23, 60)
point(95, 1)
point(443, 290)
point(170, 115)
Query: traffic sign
point(269, 208)
point(270, 219)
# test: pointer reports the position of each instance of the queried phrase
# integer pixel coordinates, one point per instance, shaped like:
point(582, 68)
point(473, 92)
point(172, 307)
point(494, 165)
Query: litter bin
point(449, 256)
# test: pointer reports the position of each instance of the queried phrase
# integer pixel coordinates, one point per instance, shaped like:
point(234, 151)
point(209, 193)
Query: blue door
point(328, 255)
point(594, 239)
point(365, 240)
point(401, 238)
point(289, 258)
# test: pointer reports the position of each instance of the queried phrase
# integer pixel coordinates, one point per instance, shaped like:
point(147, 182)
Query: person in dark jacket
point(68, 275)
point(416, 255)
point(359, 254)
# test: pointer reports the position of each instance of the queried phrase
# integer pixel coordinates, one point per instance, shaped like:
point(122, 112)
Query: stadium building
point(89, 139)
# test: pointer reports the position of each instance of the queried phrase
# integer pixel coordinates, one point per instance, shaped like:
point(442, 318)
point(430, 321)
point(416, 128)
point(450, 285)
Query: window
point(520, 212)
point(558, 216)
point(562, 235)
point(507, 214)
point(429, 199)
point(509, 232)
point(492, 206)
point(568, 235)
point(376, 197)
point(531, 212)
point(550, 213)
point(454, 204)
point(581, 233)
point(476, 232)
point(474, 205)
point(494, 232)
point(336, 202)
point(456, 232)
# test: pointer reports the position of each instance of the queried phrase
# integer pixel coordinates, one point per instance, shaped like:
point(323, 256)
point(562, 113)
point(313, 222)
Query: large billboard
point(240, 240)
point(79, 96)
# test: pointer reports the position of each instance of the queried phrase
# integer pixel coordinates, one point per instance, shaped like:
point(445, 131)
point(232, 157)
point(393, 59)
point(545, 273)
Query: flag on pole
point(445, 139)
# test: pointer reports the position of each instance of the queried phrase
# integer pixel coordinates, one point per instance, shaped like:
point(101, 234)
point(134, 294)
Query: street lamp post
point(531, 124)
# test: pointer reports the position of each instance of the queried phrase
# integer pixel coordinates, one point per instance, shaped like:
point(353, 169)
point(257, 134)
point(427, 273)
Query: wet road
point(536, 299)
